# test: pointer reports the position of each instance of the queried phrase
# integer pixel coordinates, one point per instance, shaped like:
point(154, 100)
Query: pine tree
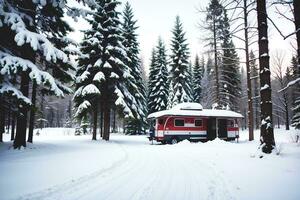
point(56, 31)
point(179, 65)
point(198, 73)
point(171, 93)
point(24, 51)
point(135, 125)
point(151, 82)
point(103, 76)
point(230, 83)
point(158, 79)
point(295, 94)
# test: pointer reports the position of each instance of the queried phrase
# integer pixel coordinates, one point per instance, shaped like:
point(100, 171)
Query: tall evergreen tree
point(230, 83)
point(24, 53)
point(158, 79)
point(179, 65)
point(136, 124)
point(56, 31)
point(103, 74)
point(295, 94)
point(198, 73)
point(151, 82)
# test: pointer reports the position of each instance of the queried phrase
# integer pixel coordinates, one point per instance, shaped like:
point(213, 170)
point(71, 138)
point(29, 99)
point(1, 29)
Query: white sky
point(157, 17)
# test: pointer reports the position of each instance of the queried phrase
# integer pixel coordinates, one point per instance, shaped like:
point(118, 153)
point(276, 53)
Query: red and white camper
point(190, 121)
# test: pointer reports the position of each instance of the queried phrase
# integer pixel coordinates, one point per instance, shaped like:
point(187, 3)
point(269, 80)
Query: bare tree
point(240, 10)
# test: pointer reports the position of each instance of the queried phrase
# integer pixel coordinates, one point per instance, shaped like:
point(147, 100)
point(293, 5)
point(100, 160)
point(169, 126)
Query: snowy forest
point(50, 80)
point(102, 88)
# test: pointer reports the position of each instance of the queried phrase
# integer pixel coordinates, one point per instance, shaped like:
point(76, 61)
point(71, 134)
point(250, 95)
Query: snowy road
point(129, 168)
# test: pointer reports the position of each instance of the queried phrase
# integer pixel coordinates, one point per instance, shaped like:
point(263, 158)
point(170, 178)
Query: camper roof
point(193, 109)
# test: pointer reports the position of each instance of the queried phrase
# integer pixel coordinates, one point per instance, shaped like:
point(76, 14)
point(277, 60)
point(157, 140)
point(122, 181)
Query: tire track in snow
point(145, 172)
point(60, 191)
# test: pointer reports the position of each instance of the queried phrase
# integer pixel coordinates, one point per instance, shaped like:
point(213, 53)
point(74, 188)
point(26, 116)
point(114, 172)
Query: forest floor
point(62, 166)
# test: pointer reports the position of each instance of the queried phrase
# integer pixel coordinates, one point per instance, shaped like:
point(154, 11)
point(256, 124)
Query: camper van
point(189, 121)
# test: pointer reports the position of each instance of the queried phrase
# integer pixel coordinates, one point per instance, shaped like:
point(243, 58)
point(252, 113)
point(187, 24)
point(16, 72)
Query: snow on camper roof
point(188, 106)
point(193, 109)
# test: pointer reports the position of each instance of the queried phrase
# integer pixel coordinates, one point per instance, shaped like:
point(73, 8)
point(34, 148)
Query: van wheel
point(174, 141)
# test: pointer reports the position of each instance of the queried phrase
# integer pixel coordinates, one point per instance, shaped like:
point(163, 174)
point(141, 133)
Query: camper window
point(179, 122)
point(198, 122)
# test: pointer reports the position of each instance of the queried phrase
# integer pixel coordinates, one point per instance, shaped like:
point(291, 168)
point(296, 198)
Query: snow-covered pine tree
point(55, 30)
point(230, 83)
point(137, 124)
point(171, 93)
point(179, 65)
point(296, 95)
point(158, 79)
point(254, 73)
point(103, 76)
point(24, 49)
point(151, 81)
point(198, 73)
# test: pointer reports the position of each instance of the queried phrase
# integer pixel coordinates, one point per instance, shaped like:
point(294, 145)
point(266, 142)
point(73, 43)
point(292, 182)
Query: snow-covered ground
point(62, 166)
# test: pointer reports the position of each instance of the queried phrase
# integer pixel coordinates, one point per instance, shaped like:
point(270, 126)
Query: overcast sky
point(157, 17)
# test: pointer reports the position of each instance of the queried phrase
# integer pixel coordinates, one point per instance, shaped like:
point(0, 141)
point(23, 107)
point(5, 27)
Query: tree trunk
point(101, 121)
point(296, 4)
point(249, 87)
point(216, 62)
point(95, 118)
point(114, 121)
point(42, 125)
point(8, 119)
point(278, 120)
point(2, 119)
point(106, 115)
point(32, 112)
point(13, 126)
point(266, 129)
point(287, 123)
point(20, 139)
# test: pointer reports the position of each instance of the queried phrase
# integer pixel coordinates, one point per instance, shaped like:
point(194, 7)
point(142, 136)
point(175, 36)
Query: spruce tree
point(56, 31)
point(25, 52)
point(151, 82)
point(103, 75)
point(198, 73)
point(135, 124)
point(158, 79)
point(180, 65)
point(230, 83)
point(295, 94)
point(171, 93)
